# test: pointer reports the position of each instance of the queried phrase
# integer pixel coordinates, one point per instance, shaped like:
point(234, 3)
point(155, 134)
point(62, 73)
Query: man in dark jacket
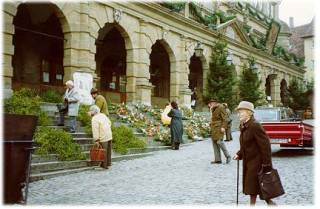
point(229, 121)
point(218, 128)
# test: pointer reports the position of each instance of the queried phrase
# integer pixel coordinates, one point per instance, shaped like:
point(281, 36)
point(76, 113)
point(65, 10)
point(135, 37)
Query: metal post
point(237, 182)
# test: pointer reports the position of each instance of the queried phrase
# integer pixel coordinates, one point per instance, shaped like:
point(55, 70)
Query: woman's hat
point(246, 106)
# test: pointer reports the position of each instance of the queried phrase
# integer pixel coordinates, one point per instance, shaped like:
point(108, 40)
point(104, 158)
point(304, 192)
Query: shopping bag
point(97, 153)
point(165, 119)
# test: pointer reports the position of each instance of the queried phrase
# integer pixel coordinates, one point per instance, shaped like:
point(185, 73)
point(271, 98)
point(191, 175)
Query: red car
point(284, 128)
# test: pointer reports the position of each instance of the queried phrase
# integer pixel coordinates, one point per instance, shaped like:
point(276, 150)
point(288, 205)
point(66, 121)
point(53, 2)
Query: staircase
point(50, 166)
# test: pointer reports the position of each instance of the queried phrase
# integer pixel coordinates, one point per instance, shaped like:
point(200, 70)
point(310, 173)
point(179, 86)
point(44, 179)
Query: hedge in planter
point(56, 141)
point(123, 138)
point(26, 102)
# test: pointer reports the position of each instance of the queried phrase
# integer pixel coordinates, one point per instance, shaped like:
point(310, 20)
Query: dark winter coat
point(255, 151)
point(218, 121)
point(176, 126)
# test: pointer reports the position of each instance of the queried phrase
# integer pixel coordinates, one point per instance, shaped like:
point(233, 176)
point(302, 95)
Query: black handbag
point(270, 184)
point(63, 107)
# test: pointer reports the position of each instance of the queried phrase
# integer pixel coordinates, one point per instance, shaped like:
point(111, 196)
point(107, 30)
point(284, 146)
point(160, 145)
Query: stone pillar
point(143, 86)
point(9, 11)
point(181, 75)
point(182, 85)
point(186, 10)
point(276, 11)
point(132, 68)
point(79, 49)
point(275, 89)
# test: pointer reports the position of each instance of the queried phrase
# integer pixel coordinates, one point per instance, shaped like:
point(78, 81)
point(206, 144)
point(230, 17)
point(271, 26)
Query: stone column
point(132, 68)
point(79, 49)
point(181, 76)
point(143, 86)
point(275, 89)
point(9, 11)
point(186, 10)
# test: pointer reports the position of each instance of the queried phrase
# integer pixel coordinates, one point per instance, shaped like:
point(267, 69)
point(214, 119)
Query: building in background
point(142, 52)
point(302, 44)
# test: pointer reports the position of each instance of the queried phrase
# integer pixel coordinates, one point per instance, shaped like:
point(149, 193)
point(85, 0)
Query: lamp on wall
point(198, 49)
point(254, 67)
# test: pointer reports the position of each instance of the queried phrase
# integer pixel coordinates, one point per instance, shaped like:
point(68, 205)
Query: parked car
point(284, 128)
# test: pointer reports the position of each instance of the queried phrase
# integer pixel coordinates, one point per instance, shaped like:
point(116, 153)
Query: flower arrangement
point(147, 120)
point(163, 136)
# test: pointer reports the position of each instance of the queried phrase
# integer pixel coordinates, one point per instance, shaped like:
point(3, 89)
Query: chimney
point(291, 23)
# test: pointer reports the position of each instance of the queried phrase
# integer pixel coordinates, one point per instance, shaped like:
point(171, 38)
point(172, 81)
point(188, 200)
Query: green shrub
point(123, 138)
point(83, 116)
point(56, 141)
point(24, 102)
point(43, 119)
point(51, 96)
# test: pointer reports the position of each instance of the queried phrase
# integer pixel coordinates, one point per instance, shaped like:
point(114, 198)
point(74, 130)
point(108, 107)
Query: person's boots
point(177, 145)
point(270, 202)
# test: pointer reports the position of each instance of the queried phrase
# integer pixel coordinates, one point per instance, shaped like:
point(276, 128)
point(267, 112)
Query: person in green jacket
point(100, 101)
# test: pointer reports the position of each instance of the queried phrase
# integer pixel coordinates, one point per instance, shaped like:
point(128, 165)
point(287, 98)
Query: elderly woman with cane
point(255, 151)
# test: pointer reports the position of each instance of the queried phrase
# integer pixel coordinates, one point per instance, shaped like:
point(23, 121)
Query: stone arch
point(122, 54)
point(46, 25)
point(268, 86)
point(198, 68)
point(166, 88)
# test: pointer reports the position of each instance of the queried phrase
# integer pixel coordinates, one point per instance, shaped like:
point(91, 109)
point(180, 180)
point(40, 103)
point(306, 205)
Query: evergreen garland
point(221, 77)
point(249, 84)
point(176, 7)
point(209, 20)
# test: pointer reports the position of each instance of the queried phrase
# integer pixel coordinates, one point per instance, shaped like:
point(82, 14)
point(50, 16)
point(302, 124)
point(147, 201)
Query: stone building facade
point(302, 43)
point(136, 52)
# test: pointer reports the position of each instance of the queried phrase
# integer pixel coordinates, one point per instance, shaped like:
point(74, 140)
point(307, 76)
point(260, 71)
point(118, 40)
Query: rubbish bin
point(18, 144)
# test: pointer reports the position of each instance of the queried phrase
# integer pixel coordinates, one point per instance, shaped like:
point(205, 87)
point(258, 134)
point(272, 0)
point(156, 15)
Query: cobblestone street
point(176, 177)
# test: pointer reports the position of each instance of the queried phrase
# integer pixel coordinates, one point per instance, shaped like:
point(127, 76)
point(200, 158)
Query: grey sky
point(301, 10)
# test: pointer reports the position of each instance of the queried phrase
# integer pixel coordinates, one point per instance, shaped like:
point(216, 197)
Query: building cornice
point(193, 25)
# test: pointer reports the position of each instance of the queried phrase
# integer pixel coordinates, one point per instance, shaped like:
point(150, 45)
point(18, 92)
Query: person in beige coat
point(101, 131)
point(218, 128)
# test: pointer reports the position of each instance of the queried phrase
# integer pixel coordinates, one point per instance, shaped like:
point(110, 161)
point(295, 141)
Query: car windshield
point(266, 115)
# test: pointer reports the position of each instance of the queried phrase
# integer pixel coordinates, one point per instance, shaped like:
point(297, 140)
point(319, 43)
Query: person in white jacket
point(101, 131)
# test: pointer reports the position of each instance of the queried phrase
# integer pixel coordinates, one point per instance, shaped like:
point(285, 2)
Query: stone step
point(47, 175)
point(129, 157)
point(81, 134)
point(51, 158)
point(85, 147)
point(57, 165)
point(82, 141)
point(36, 176)
point(41, 159)
point(146, 150)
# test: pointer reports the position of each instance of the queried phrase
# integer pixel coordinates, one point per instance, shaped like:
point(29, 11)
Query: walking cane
point(237, 182)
